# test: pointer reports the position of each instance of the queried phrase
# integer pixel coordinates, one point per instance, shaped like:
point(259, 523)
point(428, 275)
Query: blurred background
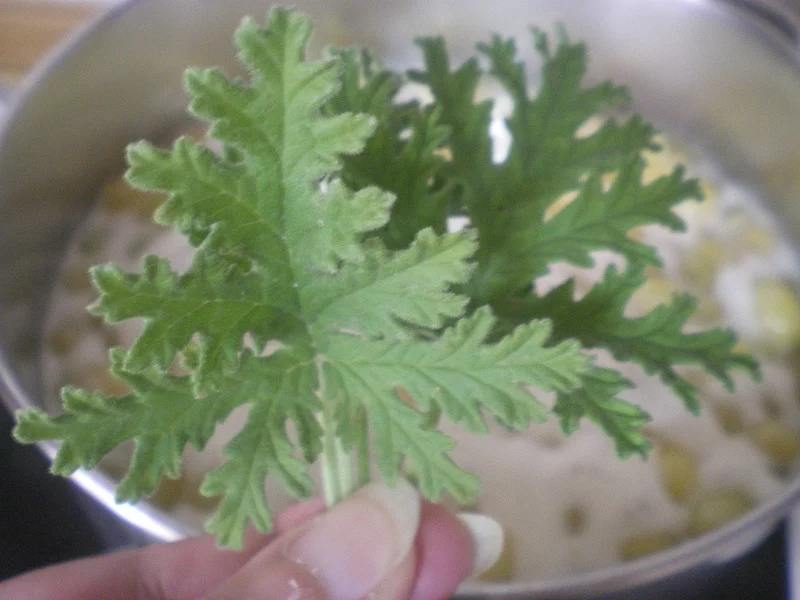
point(28, 28)
point(43, 519)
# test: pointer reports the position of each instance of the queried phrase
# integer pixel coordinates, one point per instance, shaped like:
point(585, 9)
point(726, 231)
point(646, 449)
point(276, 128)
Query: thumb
point(347, 553)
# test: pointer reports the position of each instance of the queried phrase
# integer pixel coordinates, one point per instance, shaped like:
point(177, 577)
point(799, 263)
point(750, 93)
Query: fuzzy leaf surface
point(462, 376)
point(403, 156)
point(657, 340)
point(554, 157)
point(596, 400)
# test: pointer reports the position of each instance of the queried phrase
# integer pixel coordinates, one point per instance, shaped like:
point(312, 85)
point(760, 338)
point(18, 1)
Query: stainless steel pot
point(724, 73)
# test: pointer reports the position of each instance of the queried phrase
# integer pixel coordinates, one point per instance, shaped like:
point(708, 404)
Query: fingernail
point(355, 545)
point(487, 540)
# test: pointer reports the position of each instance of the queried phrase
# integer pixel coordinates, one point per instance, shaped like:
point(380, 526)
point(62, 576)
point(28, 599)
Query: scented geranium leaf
point(547, 151)
point(657, 340)
point(294, 307)
point(599, 219)
point(469, 143)
point(549, 200)
point(267, 218)
point(595, 399)
point(507, 201)
point(367, 88)
point(407, 137)
point(288, 146)
point(176, 307)
point(399, 432)
point(263, 448)
point(91, 427)
point(349, 214)
point(388, 291)
point(285, 90)
point(194, 419)
point(161, 415)
point(206, 191)
point(460, 374)
point(268, 223)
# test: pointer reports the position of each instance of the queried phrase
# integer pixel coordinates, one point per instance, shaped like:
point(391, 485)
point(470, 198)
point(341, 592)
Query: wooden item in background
point(28, 29)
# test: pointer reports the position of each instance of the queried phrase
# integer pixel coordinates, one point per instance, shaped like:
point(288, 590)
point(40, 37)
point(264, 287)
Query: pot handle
point(782, 16)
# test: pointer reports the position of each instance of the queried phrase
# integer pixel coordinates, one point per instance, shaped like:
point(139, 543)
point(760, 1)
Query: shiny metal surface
point(724, 74)
point(782, 15)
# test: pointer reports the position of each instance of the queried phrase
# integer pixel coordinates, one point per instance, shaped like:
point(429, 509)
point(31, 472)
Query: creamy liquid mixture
point(567, 504)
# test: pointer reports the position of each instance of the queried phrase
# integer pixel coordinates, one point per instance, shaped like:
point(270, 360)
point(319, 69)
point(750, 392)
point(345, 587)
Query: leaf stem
point(330, 464)
point(362, 450)
point(344, 462)
point(337, 463)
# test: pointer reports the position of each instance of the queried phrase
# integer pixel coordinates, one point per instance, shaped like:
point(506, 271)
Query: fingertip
point(488, 540)
point(445, 554)
point(297, 514)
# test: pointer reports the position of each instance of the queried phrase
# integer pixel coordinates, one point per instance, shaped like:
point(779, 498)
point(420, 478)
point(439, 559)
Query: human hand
point(381, 543)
